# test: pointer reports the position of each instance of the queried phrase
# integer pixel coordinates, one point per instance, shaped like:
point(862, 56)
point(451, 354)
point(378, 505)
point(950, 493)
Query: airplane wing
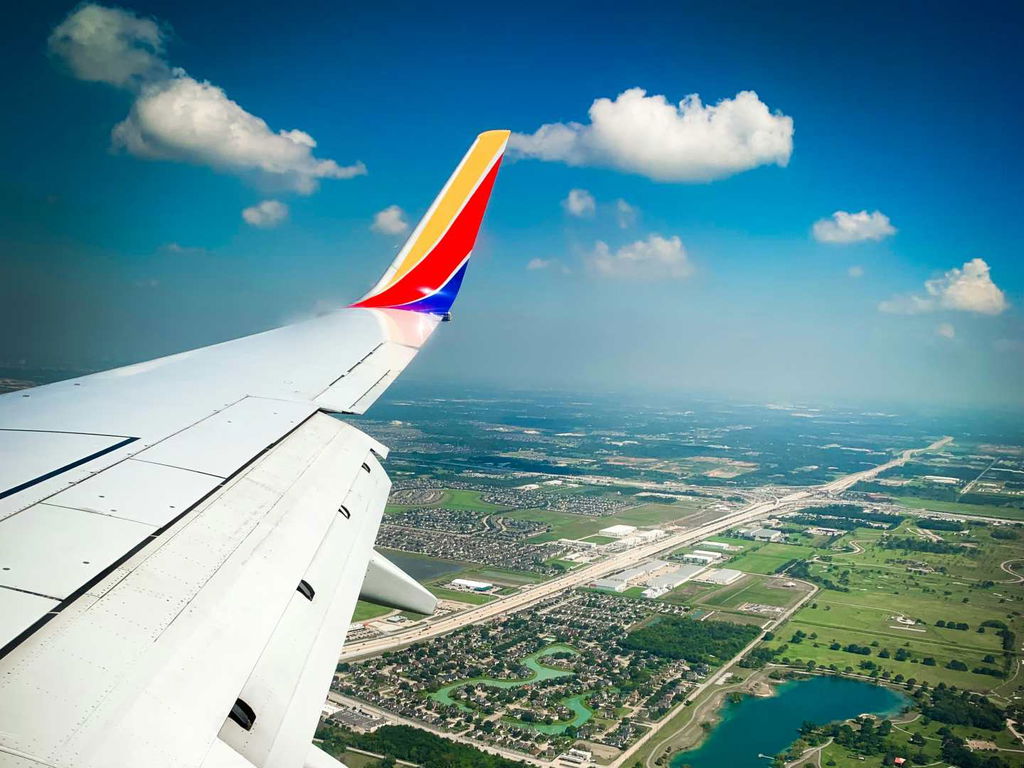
point(183, 541)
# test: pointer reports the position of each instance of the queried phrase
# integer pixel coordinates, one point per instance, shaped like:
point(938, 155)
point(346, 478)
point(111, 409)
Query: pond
point(422, 567)
point(766, 726)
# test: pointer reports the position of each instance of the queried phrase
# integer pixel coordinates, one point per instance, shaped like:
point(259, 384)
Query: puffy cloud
point(176, 117)
point(655, 258)
point(855, 271)
point(967, 289)
point(846, 227)
point(184, 120)
point(266, 215)
point(625, 214)
point(946, 330)
point(650, 136)
point(390, 221)
point(580, 203)
point(535, 264)
point(109, 45)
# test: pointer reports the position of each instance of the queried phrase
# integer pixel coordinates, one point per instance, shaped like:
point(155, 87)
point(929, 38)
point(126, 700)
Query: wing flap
point(290, 681)
point(156, 653)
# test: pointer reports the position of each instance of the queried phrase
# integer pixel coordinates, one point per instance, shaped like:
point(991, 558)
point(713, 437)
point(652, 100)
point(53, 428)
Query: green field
point(752, 589)
point(503, 576)
point(876, 589)
point(475, 598)
point(956, 508)
point(766, 558)
point(566, 525)
point(365, 611)
point(455, 499)
point(841, 757)
point(599, 539)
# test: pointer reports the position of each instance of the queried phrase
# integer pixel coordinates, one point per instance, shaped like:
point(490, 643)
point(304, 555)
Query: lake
point(767, 726)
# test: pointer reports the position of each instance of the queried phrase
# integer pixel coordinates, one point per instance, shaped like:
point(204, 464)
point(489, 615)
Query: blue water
point(767, 726)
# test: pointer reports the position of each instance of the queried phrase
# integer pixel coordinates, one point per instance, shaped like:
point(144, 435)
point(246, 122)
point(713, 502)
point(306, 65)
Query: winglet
point(427, 273)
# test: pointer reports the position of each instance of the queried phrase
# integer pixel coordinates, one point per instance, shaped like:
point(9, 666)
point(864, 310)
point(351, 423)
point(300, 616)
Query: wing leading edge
point(182, 541)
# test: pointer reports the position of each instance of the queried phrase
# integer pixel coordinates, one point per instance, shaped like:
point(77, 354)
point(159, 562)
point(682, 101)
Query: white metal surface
point(51, 551)
point(221, 443)
point(26, 456)
point(147, 664)
point(358, 388)
point(290, 681)
point(19, 610)
point(152, 401)
point(138, 490)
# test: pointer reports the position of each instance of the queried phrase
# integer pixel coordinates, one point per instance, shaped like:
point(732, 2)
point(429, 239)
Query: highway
point(535, 593)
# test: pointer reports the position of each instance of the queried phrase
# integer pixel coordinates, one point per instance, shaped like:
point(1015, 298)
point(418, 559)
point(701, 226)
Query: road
point(535, 593)
point(812, 590)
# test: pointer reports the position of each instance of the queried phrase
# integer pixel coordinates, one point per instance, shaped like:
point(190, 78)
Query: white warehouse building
point(617, 531)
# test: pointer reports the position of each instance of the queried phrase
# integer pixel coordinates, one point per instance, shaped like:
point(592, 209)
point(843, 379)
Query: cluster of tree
point(914, 544)
point(1005, 534)
point(837, 513)
point(678, 637)
point(956, 752)
point(863, 650)
point(758, 657)
point(867, 739)
point(802, 570)
point(940, 525)
point(407, 743)
point(1009, 638)
point(947, 705)
point(952, 624)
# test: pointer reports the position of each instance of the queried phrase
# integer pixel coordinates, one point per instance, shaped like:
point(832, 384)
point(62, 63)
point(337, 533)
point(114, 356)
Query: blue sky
point(111, 254)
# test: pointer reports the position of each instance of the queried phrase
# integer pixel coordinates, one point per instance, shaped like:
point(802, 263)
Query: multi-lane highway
point(535, 593)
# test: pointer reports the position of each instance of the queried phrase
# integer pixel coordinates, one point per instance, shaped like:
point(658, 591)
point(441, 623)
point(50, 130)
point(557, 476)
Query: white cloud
point(109, 45)
point(846, 227)
point(184, 120)
point(266, 215)
point(176, 117)
point(855, 271)
point(967, 289)
point(580, 203)
point(625, 214)
point(390, 221)
point(655, 258)
point(535, 264)
point(946, 330)
point(652, 137)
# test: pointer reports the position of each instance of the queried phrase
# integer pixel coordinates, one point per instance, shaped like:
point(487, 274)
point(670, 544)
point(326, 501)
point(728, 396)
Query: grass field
point(599, 539)
point(766, 558)
point(565, 525)
point(455, 499)
point(365, 611)
point(880, 588)
point(929, 731)
point(474, 598)
point(980, 510)
point(504, 576)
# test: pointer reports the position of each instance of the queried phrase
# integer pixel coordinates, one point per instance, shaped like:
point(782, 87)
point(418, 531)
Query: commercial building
point(717, 545)
point(720, 576)
point(672, 580)
point(617, 531)
point(761, 534)
point(700, 559)
point(472, 586)
point(610, 584)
